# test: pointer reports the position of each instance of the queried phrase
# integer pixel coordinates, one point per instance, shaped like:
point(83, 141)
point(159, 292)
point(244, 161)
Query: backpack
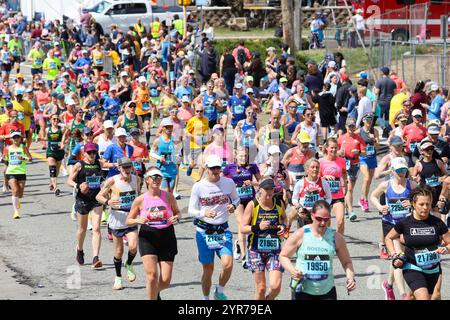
point(241, 56)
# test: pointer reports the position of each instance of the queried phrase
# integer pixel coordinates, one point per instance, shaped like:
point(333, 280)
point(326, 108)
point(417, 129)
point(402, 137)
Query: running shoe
point(89, 226)
point(237, 250)
point(5, 188)
point(118, 283)
point(130, 272)
point(57, 192)
point(105, 217)
point(97, 264)
point(177, 195)
point(352, 216)
point(383, 252)
point(109, 236)
point(388, 292)
point(365, 205)
point(361, 203)
point(80, 257)
point(63, 172)
point(16, 215)
point(189, 171)
point(73, 214)
point(219, 296)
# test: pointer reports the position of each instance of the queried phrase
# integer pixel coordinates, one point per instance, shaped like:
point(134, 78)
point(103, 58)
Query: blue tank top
point(394, 201)
point(210, 108)
point(248, 134)
point(294, 125)
point(167, 149)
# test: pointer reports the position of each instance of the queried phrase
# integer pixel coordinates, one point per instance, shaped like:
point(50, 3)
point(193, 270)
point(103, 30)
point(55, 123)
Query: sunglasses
point(401, 171)
point(308, 114)
point(17, 137)
point(91, 152)
point(156, 177)
point(429, 149)
point(417, 116)
point(320, 219)
point(132, 107)
point(293, 107)
point(136, 134)
point(55, 119)
point(198, 111)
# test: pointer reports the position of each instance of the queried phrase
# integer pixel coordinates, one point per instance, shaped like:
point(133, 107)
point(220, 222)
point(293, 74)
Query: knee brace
point(52, 171)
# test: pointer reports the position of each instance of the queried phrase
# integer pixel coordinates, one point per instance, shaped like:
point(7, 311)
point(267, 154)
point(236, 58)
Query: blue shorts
point(206, 255)
point(352, 173)
point(168, 183)
point(36, 71)
point(370, 162)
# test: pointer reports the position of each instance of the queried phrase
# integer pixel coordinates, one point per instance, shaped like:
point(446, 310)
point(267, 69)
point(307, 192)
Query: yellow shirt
point(115, 58)
point(396, 106)
point(97, 58)
point(198, 129)
point(23, 107)
point(3, 119)
point(143, 96)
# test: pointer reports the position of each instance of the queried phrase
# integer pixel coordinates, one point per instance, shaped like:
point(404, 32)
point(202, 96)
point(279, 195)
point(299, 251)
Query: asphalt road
point(37, 252)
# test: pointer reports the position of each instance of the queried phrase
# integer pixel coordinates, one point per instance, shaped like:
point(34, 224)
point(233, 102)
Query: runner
point(143, 106)
point(246, 176)
point(164, 151)
point(413, 134)
point(237, 104)
point(396, 207)
point(119, 192)
point(24, 112)
point(140, 153)
point(86, 177)
point(129, 119)
point(264, 220)
point(7, 60)
point(351, 147)
point(16, 171)
point(197, 132)
point(210, 104)
point(157, 212)
point(296, 157)
point(368, 163)
point(423, 235)
point(315, 246)
point(212, 200)
point(333, 169)
point(245, 134)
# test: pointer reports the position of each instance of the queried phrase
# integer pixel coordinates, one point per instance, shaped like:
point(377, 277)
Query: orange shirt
point(8, 127)
point(352, 143)
point(140, 151)
point(143, 97)
point(413, 135)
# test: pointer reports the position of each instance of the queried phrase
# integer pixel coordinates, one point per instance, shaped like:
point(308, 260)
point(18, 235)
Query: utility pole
point(298, 24)
point(287, 12)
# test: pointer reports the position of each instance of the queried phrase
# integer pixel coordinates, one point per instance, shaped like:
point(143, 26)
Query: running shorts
point(158, 242)
point(206, 255)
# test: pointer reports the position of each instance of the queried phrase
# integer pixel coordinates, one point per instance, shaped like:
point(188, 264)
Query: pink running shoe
point(384, 253)
point(388, 292)
point(366, 205)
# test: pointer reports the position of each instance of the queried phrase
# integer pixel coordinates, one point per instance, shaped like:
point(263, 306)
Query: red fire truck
point(404, 18)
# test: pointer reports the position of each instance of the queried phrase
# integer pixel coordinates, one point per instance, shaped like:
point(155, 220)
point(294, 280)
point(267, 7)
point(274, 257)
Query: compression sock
point(147, 137)
point(118, 266)
point(130, 258)
point(15, 203)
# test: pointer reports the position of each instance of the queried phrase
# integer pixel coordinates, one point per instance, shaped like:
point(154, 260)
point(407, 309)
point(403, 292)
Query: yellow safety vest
point(178, 24)
point(139, 28)
point(154, 26)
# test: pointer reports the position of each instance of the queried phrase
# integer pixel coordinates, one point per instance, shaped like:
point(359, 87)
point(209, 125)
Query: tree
point(287, 12)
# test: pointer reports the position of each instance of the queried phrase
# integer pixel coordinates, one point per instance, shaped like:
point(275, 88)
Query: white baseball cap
point(142, 79)
point(213, 160)
point(153, 172)
point(274, 149)
point(416, 112)
point(108, 124)
point(166, 122)
point(399, 163)
point(120, 132)
point(185, 99)
point(71, 102)
point(238, 85)
point(434, 87)
point(123, 74)
point(249, 90)
point(331, 64)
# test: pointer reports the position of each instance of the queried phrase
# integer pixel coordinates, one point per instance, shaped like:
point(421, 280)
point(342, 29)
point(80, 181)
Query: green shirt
point(16, 166)
point(36, 57)
point(15, 47)
point(52, 66)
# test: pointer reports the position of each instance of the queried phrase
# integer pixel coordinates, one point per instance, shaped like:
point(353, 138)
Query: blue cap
point(385, 70)
point(134, 130)
point(363, 75)
point(274, 89)
point(91, 88)
point(9, 103)
point(87, 130)
point(54, 94)
point(19, 92)
point(61, 96)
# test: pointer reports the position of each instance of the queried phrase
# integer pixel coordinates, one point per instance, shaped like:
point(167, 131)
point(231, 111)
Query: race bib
point(137, 166)
point(428, 259)
point(300, 109)
point(432, 181)
point(397, 210)
point(85, 80)
point(14, 159)
point(215, 241)
point(157, 216)
point(335, 185)
point(93, 182)
point(413, 146)
point(154, 92)
point(209, 109)
point(317, 267)
point(310, 199)
point(54, 145)
point(239, 109)
point(42, 107)
point(245, 191)
point(98, 61)
point(126, 199)
point(52, 65)
point(370, 150)
point(146, 106)
point(268, 244)
point(38, 61)
point(347, 164)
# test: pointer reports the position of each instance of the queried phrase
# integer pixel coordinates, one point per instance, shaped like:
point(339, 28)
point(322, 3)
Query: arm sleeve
point(234, 196)
point(326, 188)
point(298, 186)
point(194, 205)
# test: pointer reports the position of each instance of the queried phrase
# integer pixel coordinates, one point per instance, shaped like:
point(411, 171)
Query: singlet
point(126, 193)
point(92, 174)
point(210, 108)
point(277, 105)
point(68, 118)
point(292, 126)
point(370, 143)
point(167, 149)
point(333, 168)
point(143, 105)
point(54, 139)
point(310, 193)
point(312, 131)
point(97, 58)
point(157, 211)
point(315, 261)
point(248, 134)
point(128, 124)
point(153, 89)
point(85, 80)
point(97, 127)
point(16, 166)
point(269, 130)
point(103, 144)
point(245, 173)
point(430, 174)
point(298, 160)
point(266, 241)
point(394, 202)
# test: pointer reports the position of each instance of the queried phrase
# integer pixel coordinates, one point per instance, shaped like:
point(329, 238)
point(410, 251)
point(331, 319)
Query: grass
point(224, 32)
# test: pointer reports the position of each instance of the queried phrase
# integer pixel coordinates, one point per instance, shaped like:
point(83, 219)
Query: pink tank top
point(336, 169)
point(157, 211)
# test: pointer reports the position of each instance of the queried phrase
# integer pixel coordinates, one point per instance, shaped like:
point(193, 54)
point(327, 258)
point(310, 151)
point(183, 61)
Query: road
point(37, 252)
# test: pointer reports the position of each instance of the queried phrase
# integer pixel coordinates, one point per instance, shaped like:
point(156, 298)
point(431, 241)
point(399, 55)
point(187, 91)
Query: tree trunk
point(287, 11)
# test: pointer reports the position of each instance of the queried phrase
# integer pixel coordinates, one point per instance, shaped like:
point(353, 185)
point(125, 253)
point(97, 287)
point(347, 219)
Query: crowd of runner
point(298, 143)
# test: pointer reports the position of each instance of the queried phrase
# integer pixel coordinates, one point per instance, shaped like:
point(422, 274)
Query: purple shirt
point(245, 174)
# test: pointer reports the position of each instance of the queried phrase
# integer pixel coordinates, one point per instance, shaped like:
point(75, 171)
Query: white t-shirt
point(364, 107)
point(217, 196)
point(359, 22)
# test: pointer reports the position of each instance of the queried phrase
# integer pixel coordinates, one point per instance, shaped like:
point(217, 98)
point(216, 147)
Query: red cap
point(90, 147)
point(103, 73)
point(344, 76)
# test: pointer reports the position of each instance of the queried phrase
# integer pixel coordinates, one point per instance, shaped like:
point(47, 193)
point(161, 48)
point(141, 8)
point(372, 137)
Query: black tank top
point(92, 174)
point(430, 174)
point(228, 63)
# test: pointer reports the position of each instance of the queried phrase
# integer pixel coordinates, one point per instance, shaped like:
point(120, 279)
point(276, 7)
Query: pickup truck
point(125, 13)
